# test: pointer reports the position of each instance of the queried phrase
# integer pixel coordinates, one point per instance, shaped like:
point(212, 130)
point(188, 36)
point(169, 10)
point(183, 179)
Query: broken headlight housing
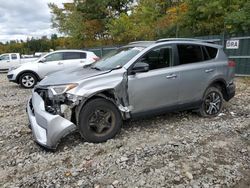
point(59, 99)
point(61, 89)
point(59, 93)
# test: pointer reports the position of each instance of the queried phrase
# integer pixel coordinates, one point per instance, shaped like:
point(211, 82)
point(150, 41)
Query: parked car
point(29, 74)
point(10, 60)
point(140, 79)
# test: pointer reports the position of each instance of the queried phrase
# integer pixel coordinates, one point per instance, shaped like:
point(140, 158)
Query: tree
point(215, 17)
point(148, 20)
point(122, 30)
point(86, 21)
point(238, 18)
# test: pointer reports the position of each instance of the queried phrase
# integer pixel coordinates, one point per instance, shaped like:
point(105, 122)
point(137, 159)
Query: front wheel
point(99, 120)
point(212, 103)
point(28, 80)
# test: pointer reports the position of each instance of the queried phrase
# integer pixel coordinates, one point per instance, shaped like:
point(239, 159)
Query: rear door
point(196, 69)
point(158, 88)
point(74, 59)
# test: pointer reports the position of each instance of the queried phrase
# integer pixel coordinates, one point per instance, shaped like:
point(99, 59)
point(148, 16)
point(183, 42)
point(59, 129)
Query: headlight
point(12, 68)
point(61, 89)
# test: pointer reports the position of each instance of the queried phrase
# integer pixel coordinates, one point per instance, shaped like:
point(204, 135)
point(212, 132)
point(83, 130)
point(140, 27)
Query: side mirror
point(42, 60)
point(140, 67)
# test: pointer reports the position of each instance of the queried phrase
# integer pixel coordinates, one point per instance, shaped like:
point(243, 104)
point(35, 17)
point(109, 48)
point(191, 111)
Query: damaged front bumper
point(48, 129)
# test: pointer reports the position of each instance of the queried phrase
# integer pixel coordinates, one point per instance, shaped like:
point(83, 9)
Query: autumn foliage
point(88, 23)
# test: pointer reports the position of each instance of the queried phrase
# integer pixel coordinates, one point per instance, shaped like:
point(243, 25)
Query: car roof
point(72, 50)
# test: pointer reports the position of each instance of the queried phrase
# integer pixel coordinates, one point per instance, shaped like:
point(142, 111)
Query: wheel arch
point(108, 94)
point(27, 71)
point(221, 84)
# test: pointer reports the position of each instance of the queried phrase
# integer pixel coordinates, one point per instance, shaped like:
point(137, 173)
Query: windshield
point(117, 58)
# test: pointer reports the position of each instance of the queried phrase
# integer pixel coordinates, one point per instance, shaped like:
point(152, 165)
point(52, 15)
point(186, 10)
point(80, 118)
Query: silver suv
point(140, 79)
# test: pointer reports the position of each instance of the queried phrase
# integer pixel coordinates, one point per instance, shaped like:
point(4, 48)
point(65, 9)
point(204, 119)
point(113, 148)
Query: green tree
point(214, 17)
point(85, 22)
point(147, 21)
point(238, 20)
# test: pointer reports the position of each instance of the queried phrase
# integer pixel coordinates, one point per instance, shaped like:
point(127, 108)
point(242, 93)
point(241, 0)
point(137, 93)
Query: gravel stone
point(172, 150)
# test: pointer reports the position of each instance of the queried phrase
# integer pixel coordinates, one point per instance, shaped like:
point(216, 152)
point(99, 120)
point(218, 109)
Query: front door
point(52, 63)
point(157, 88)
point(5, 62)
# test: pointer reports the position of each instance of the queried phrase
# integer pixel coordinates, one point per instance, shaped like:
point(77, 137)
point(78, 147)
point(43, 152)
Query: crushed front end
point(50, 114)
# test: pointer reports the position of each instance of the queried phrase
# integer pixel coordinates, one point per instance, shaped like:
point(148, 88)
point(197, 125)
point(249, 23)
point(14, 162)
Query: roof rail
point(136, 42)
point(212, 41)
point(179, 39)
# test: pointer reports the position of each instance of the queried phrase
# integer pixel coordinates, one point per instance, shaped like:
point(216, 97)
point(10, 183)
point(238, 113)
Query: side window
point(72, 55)
point(189, 53)
point(5, 57)
point(54, 57)
point(83, 55)
point(158, 58)
point(13, 56)
point(212, 51)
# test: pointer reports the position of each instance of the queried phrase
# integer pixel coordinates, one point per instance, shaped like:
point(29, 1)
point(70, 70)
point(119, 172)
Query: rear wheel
point(99, 120)
point(27, 80)
point(212, 102)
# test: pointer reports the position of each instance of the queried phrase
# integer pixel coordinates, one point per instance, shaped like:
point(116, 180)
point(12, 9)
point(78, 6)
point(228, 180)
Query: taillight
point(231, 63)
point(96, 58)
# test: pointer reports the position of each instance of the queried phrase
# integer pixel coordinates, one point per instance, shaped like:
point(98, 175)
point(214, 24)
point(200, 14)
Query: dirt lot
point(173, 150)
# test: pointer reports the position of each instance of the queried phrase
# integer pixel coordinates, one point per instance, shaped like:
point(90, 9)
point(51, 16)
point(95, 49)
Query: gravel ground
point(172, 150)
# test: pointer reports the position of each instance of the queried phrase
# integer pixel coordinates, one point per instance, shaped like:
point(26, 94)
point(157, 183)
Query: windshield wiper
point(86, 66)
point(96, 68)
point(115, 68)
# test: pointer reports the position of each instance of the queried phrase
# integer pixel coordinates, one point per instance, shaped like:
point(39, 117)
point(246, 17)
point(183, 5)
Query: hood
point(25, 66)
point(70, 76)
point(28, 63)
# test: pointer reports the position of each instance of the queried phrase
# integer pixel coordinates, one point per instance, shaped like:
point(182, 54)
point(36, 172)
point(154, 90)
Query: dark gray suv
point(142, 78)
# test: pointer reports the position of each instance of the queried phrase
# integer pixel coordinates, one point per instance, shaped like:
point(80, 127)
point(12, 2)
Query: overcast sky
point(20, 19)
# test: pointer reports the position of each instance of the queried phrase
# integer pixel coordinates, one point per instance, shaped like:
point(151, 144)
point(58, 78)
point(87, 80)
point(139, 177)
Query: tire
point(99, 120)
point(28, 80)
point(212, 102)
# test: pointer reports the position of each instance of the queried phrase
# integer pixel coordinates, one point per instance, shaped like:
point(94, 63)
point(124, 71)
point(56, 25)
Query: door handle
point(171, 76)
point(209, 70)
point(59, 63)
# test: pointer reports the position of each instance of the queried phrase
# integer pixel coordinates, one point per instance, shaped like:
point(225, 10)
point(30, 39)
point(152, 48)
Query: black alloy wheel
point(212, 102)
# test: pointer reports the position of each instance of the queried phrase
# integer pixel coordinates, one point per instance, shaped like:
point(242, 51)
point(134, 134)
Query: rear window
point(13, 56)
point(212, 52)
point(189, 53)
point(74, 55)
